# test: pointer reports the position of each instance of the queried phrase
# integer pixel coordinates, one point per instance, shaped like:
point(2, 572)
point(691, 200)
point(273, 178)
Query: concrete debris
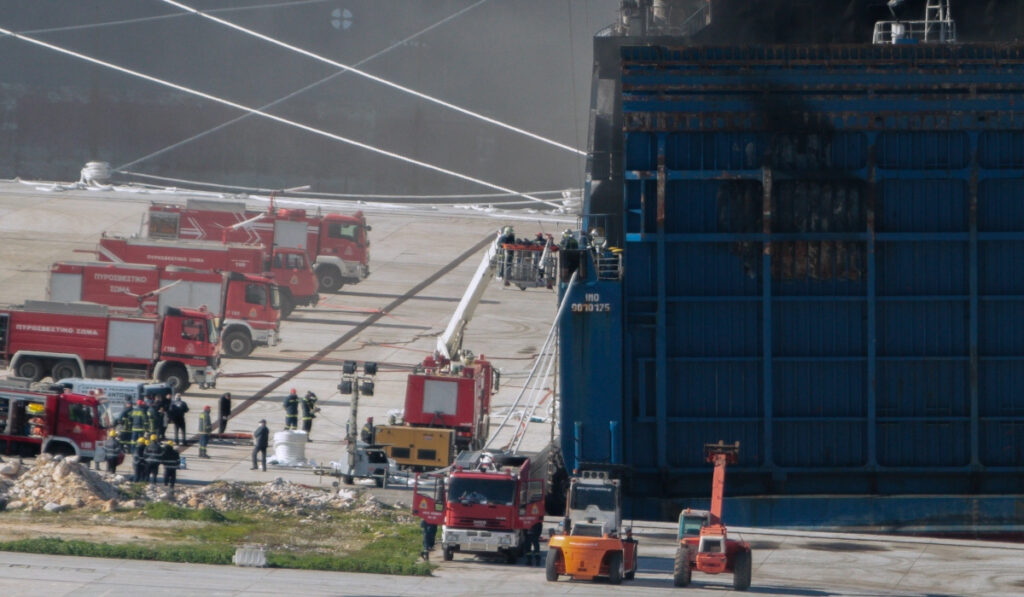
point(56, 485)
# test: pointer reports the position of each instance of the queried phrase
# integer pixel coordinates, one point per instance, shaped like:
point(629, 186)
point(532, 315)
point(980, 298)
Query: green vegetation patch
point(165, 511)
point(337, 541)
point(192, 554)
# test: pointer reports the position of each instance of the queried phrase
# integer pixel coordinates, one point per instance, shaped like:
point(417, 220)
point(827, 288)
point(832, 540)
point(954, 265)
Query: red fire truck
point(247, 305)
point(337, 243)
point(486, 503)
point(288, 267)
point(440, 394)
point(51, 421)
point(179, 347)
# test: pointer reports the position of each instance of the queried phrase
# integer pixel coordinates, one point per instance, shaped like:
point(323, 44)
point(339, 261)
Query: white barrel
point(290, 447)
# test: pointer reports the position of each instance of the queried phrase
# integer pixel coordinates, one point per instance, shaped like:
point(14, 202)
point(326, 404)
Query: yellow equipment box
point(417, 447)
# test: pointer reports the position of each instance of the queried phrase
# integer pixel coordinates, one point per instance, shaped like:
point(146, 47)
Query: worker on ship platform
point(569, 242)
point(508, 237)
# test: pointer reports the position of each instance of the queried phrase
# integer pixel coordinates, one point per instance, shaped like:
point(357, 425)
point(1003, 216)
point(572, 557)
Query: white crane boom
point(450, 342)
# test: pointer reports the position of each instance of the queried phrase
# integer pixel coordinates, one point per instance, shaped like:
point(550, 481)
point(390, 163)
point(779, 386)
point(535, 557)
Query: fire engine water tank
point(290, 447)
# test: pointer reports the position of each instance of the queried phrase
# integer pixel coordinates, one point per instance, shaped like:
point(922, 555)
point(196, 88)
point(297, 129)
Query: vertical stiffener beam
point(972, 264)
point(766, 317)
point(871, 331)
point(661, 331)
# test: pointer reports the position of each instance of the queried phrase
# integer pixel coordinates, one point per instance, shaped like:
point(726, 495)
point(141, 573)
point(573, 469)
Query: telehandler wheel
point(550, 564)
point(681, 570)
point(615, 568)
point(741, 571)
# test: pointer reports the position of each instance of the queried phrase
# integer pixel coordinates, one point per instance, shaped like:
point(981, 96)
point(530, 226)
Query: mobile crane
point(712, 552)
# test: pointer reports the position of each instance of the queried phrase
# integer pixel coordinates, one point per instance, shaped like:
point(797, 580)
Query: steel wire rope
point(177, 15)
point(301, 90)
point(551, 334)
point(376, 79)
point(273, 117)
point(540, 395)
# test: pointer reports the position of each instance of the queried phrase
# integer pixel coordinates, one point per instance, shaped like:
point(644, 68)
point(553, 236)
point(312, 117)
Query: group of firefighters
point(309, 410)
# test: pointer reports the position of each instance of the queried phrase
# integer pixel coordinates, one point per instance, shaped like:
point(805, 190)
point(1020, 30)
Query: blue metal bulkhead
point(822, 251)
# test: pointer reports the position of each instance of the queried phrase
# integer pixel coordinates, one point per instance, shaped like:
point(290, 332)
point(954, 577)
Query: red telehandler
point(712, 552)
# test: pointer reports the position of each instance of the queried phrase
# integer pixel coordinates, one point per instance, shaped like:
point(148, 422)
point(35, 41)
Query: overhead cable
point(299, 91)
point(376, 79)
point(268, 116)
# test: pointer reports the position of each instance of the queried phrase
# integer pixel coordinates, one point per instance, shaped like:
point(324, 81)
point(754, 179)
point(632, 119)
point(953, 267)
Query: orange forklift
point(593, 543)
point(711, 551)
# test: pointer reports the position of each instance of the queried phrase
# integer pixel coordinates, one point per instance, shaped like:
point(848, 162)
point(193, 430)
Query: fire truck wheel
point(176, 377)
point(287, 305)
point(681, 571)
point(329, 278)
point(615, 568)
point(741, 571)
point(31, 369)
point(236, 344)
point(551, 564)
point(64, 369)
point(449, 554)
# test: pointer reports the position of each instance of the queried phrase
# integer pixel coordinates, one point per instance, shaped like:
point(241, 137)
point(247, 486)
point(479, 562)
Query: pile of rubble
point(279, 496)
point(55, 484)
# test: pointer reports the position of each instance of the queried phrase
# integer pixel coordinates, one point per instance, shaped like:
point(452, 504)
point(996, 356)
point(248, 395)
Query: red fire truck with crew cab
point(337, 243)
point(179, 347)
point(486, 507)
point(247, 306)
point(50, 421)
point(288, 267)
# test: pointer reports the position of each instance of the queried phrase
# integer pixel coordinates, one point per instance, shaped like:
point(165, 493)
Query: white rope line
point(268, 116)
point(137, 20)
point(299, 91)
point(536, 364)
point(573, 193)
point(376, 79)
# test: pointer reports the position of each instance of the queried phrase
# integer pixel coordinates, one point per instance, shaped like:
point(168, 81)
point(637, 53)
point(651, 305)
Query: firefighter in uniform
point(309, 410)
point(126, 425)
point(112, 448)
point(140, 421)
point(366, 434)
point(152, 454)
point(291, 411)
point(139, 459)
point(171, 458)
point(205, 427)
